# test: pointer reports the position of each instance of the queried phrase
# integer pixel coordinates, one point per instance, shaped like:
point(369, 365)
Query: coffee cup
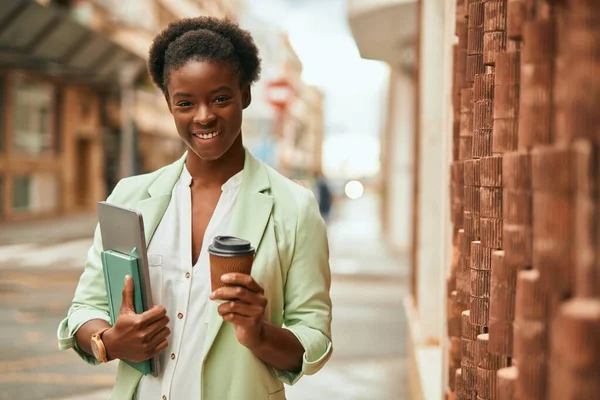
point(229, 254)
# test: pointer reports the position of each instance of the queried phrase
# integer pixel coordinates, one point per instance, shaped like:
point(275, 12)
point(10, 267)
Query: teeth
point(207, 135)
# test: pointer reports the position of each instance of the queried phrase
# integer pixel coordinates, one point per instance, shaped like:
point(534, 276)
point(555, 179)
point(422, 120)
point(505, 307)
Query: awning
point(48, 40)
point(385, 30)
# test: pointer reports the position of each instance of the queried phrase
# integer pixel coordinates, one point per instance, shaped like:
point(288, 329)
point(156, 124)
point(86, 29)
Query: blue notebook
point(116, 266)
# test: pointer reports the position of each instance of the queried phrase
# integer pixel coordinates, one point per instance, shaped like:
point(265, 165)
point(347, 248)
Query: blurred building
point(77, 108)
point(284, 124)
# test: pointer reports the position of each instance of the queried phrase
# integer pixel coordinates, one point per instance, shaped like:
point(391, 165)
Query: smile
point(206, 136)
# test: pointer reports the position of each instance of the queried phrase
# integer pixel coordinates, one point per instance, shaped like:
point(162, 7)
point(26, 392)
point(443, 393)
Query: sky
point(353, 87)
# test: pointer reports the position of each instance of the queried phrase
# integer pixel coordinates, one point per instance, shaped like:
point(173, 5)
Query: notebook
point(116, 266)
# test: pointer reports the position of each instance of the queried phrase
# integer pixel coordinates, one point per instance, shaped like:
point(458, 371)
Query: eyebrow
point(224, 87)
point(220, 88)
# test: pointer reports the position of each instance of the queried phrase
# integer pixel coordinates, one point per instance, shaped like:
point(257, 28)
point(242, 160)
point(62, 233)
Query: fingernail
point(127, 277)
point(226, 278)
point(212, 295)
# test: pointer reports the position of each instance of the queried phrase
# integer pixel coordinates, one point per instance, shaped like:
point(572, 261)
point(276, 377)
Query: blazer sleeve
point(307, 302)
point(90, 300)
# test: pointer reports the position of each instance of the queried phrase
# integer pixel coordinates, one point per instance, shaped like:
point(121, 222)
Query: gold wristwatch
point(98, 347)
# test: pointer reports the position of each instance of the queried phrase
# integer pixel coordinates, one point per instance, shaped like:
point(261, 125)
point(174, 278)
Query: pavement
point(40, 266)
point(49, 230)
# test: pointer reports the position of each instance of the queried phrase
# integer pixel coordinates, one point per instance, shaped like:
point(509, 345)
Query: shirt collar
point(232, 183)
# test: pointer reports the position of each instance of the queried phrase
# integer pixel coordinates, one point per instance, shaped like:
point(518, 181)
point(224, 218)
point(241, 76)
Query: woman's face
point(206, 100)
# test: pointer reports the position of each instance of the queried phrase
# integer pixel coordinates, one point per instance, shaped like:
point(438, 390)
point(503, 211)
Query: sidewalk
point(54, 230)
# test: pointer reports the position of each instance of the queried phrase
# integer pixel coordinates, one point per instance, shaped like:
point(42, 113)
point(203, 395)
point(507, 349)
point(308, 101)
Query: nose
point(204, 116)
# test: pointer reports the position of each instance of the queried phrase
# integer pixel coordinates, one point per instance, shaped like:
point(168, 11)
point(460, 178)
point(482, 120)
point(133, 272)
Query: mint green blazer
point(281, 219)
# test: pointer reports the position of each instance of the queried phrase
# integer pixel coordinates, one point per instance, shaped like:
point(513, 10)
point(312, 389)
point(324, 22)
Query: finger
point(127, 296)
point(152, 315)
point(235, 307)
point(161, 346)
point(244, 280)
point(160, 336)
point(156, 326)
point(238, 319)
point(239, 293)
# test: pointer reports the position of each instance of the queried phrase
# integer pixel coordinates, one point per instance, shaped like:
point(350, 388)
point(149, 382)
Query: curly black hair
point(203, 39)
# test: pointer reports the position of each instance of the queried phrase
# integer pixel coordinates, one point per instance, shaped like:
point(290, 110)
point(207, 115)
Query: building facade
point(284, 125)
point(54, 78)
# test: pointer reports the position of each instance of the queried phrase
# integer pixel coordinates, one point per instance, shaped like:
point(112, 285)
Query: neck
point(215, 173)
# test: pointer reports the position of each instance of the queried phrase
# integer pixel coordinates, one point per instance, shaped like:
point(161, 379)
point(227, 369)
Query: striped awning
point(48, 40)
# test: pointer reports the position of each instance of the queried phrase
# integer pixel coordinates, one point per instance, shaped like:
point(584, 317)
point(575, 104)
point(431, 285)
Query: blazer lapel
point(250, 217)
point(153, 208)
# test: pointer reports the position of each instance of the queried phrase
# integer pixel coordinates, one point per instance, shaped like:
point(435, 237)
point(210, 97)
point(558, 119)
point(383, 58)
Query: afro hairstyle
point(203, 39)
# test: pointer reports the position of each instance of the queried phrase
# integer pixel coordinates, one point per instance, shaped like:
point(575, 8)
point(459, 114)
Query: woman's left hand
point(244, 307)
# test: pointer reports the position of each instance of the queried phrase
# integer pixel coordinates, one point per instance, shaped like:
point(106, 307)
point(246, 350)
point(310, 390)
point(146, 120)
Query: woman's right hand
point(136, 337)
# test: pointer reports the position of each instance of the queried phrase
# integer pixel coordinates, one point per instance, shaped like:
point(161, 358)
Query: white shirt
point(183, 289)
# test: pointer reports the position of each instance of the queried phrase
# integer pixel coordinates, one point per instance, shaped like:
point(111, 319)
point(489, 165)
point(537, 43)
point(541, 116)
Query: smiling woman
point(259, 331)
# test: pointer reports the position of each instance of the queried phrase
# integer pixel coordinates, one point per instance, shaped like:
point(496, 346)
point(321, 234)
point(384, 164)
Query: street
point(37, 281)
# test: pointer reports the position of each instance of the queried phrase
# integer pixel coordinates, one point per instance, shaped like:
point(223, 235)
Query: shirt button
point(172, 356)
point(180, 315)
point(187, 275)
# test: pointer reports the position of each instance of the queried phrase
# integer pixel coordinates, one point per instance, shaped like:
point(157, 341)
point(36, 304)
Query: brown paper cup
point(229, 254)
point(220, 266)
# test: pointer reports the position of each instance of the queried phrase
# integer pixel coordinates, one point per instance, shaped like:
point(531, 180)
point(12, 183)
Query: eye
point(221, 99)
point(184, 104)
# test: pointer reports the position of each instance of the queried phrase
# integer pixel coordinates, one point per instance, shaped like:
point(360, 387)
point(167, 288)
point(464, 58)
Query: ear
point(246, 96)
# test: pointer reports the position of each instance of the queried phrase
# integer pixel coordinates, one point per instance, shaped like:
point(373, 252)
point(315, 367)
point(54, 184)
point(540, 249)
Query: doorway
point(83, 158)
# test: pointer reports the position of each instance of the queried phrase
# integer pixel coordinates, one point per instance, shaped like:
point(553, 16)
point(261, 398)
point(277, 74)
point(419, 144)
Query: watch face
point(95, 349)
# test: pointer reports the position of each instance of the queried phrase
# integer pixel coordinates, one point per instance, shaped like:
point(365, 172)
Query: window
point(21, 193)
point(34, 119)
point(35, 193)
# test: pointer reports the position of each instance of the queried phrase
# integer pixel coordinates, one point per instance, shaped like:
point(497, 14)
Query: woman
point(275, 326)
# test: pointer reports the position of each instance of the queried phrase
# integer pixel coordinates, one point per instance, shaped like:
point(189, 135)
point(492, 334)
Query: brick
point(501, 337)
point(516, 169)
point(518, 245)
point(491, 232)
point(480, 283)
point(494, 43)
point(480, 310)
point(506, 104)
point(474, 66)
point(491, 171)
point(516, 16)
point(491, 202)
point(494, 15)
point(482, 142)
point(535, 107)
point(505, 136)
point(506, 379)
point(483, 87)
point(502, 303)
point(531, 297)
